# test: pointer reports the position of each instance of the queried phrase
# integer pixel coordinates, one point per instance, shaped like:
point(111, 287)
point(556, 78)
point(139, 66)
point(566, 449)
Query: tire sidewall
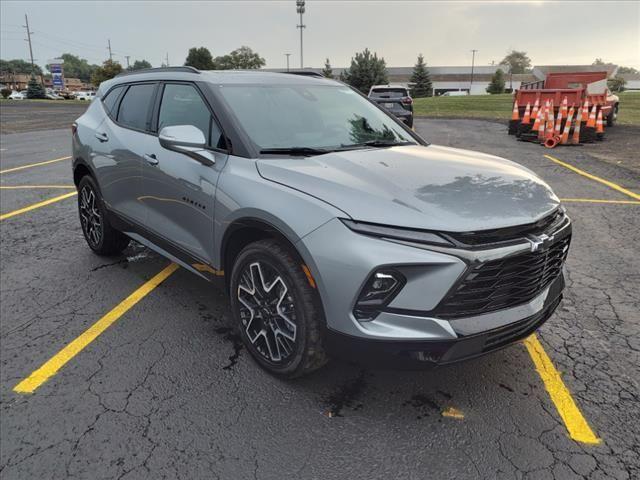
point(257, 252)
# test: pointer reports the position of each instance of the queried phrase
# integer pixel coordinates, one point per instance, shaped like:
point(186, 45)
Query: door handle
point(151, 158)
point(102, 137)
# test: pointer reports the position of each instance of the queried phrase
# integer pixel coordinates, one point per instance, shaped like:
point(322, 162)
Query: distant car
point(52, 95)
point(395, 99)
point(85, 96)
point(18, 95)
point(459, 93)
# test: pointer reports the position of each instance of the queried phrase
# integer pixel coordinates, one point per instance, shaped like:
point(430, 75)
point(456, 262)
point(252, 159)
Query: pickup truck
point(576, 87)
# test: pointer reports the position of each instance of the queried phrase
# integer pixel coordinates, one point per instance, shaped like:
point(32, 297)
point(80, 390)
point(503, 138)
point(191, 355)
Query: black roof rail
point(185, 69)
point(304, 73)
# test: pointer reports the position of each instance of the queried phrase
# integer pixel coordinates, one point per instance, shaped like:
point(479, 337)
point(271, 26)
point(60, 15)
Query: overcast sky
point(445, 32)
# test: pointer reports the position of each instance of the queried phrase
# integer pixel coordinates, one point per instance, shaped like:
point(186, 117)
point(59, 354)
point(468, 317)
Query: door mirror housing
point(186, 139)
point(182, 136)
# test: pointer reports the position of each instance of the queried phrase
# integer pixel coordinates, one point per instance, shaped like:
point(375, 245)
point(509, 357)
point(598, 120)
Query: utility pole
point(109, 48)
point(473, 61)
point(300, 9)
point(287, 55)
point(167, 59)
point(28, 39)
point(127, 57)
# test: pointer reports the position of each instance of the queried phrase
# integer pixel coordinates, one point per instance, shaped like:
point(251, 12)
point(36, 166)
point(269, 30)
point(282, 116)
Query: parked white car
point(85, 95)
point(459, 93)
point(18, 95)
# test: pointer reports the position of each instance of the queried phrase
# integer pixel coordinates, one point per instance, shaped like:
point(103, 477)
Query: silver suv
point(336, 229)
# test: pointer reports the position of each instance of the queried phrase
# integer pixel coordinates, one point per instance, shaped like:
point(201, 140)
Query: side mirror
point(182, 136)
point(186, 139)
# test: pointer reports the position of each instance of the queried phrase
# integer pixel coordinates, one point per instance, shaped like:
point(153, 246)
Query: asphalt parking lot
point(167, 391)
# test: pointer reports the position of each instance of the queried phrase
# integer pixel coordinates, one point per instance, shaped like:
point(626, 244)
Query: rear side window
point(182, 105)
point(134, 107)
point(110, 100)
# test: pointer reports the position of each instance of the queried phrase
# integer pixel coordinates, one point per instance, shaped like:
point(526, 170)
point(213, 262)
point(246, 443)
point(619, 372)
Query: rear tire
point(276, 310)
point(101, 237)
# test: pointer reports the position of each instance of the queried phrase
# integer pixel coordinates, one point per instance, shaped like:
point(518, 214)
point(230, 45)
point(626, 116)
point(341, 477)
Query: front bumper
point(431, 353)
point(406, 328)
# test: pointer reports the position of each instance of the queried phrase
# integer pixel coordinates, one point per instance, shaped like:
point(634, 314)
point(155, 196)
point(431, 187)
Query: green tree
point(628, 70)
point(34, 88)
point(140, 65)
point(616, 84)
point(420, 79)
point(365, 71)
point(108, 70)
point(327, 71)
point(200, 58)
point(242, 58)
point(518, 62)
point(76, 67)
point(599, 61)
point(17, 66)
point(497, 82)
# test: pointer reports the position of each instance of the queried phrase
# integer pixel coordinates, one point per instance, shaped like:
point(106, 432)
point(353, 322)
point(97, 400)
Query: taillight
point(74, 128)
point(407, 100)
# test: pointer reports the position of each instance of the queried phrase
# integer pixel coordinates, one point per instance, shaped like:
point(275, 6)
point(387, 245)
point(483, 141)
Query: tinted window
point(182, 105)
point(389, 92)
point(110, 100)
point(134, 107)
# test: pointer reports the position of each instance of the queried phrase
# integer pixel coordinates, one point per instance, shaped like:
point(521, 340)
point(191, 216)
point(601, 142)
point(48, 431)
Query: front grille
point(500, 235)
point(504, 283)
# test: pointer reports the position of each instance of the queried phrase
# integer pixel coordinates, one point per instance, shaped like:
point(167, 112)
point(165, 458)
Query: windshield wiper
point(378, 143)
point(296, 151)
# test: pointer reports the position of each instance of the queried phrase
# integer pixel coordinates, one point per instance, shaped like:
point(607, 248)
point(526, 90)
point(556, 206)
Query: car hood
point(427, 187)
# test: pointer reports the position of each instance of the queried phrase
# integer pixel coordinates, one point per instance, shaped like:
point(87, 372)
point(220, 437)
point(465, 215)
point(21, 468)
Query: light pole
point(287, 55)
point(473, 61)
point(300, 10)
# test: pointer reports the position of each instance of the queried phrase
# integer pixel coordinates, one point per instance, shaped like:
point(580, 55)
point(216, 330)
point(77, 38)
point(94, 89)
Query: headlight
point(378, 291)
point(417, 236)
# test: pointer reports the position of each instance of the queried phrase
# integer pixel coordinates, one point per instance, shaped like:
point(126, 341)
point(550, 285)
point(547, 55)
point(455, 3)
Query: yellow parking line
point(15, 169)
point(595, 200)
point(576, 424)
point(60, 359)
point(593, 177)
point(27, 187)
point(4, 216)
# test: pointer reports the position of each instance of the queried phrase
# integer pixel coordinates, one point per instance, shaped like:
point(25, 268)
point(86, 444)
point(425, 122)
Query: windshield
point(315, 116)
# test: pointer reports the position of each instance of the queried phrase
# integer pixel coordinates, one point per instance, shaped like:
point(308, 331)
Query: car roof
point(218, 77)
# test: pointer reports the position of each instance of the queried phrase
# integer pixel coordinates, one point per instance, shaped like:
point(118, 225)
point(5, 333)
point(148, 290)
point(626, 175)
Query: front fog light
point(381, 287)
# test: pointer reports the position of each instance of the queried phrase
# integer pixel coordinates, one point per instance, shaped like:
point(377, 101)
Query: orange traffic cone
point(592, 117)
point(526, 119)
point(564, 139)
point(515, 119)
point(534, 111)
point(562, 113)
point(549, 129)
point(585, 110)
point(575, 139)
point(542, 116)
point(599, 126)
point(536, 122)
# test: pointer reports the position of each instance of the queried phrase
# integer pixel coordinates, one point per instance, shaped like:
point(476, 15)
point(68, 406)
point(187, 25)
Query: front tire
point(613, 116)
point(101, 237)
point(276, 310)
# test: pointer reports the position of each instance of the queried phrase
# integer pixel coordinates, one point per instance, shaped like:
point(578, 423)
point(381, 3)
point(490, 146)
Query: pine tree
point(497, 82)
point(421, 80)
point(365, 71)
point(327, 71)
point(34, 89)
